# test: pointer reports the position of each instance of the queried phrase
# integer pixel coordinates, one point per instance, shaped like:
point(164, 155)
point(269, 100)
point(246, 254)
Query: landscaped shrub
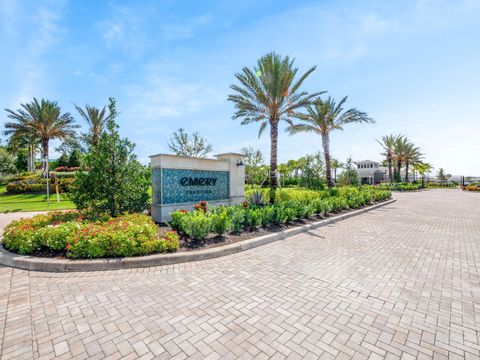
point(399, 186)
point(176, 219)
point(76, 236)
point(67, 168)
point(196, 224)
point(220, 222)
point(471, 188)
point(432, 185)
point(237, 217)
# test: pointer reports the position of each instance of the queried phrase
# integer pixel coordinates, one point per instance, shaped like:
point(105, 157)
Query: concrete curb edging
point(33, 263)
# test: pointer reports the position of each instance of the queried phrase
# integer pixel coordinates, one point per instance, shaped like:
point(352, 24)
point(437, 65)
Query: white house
point(371, 172)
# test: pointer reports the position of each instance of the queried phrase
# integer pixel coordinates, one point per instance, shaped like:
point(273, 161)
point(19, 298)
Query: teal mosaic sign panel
point(177, 186)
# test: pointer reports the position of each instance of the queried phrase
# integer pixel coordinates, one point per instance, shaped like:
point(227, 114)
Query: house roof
point(367, 162)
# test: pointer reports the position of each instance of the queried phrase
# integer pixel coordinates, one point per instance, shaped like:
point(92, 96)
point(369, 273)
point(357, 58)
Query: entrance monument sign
point(179, 182)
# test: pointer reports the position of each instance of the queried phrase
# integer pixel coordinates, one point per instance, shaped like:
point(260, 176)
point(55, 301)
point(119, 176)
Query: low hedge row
point(202, 221)
point(77, 236)
point(471, 188)
point(432, 185)
point(37, 184)
point(400, 187)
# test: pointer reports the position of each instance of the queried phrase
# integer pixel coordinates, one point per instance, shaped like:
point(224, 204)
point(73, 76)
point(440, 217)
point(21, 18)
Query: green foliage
point(400, 187)
point(349, 176)
point(196, 224)
point(74, 159)
point(72, 234)
point(221, 222)
point(113, 181)
point(313, 172)
point(63, 160)
point(183, 144)
point(176, 219)
point(7, 162)
point(253, 218)
point(237, 217)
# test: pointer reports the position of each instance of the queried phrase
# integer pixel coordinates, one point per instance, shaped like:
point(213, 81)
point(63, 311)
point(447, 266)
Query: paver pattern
point(402, 281)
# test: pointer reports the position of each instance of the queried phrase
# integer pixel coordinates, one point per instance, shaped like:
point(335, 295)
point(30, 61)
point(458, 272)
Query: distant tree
point(183, 144)
point(322, 118)
point(335, 165)
point(96, 119)
point(441, 174)
point(74, 159)
point(312, 174)
point(62, 160)
point(269, 94)
point(115, 182)
point(254, 169)
point(349, 175)
point(388, 143)
point(41, 120)
point(7, 162)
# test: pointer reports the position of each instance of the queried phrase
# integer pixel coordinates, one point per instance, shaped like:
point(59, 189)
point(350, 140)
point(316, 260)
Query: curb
point(33, 263)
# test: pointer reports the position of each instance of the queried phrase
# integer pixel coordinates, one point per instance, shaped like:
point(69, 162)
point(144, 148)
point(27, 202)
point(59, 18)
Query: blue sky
point(412, 65)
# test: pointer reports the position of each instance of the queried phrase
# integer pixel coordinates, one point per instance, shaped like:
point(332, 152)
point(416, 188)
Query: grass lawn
point(32, 202)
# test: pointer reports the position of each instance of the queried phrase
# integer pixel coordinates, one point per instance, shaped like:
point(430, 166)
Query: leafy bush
point(67, 169)
point(253, 218)
point(220, 222)
point(237, 217)
point(78, 237)
point(196, 224)
point(176, 219)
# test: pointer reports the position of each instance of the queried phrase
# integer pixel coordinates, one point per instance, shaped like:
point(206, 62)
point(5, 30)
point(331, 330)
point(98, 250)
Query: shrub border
point(33, 263)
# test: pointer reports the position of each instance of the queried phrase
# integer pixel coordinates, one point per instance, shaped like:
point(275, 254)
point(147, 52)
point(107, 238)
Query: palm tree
point(43, 120)
point(96, 120)
point(269, 94)
point(388, 143)
point(21, 136)
point(322, 117)
point(412, 156)
point(335, 165)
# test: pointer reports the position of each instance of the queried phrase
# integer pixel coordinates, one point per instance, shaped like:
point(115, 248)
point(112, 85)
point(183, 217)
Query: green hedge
point(75, 235)
point(399, 187)
point(198, 224)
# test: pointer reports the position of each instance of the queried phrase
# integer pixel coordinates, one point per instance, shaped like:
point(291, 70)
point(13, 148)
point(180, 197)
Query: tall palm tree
point(323, 117)
point(21, 135)
point(44, 120)
point(95, 118)
point(268, 94)
point(412, 156)
point(388, 143)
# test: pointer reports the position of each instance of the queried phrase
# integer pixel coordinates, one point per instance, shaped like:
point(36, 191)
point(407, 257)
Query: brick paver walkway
point(398, 282)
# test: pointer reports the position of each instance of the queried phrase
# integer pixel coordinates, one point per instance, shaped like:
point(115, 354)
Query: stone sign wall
point(180, 182)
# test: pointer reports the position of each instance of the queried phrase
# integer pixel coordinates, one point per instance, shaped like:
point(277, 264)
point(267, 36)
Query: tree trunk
point(44, 154)
point(335, 176)
point(406, 171)
point(399, 170)
point(273, 159)
point(30, 161)
point(326, 151)
point(389, 161)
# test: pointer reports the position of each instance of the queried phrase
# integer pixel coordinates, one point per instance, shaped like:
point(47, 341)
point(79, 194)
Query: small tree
point(183, 144)
point(63, 160)
point(441, 174)
point(312, 174)
point(254, 169)
point(112, 180)
point(349, 176)
point(74, 159)
point(7, 162)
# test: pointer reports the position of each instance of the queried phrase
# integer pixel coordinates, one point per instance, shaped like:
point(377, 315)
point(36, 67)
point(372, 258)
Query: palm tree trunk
point(406, 171)
point(30, 158)
point(399, 169)
point(389, 161)
point(335, 175)
point(326, 151)
point(273, 159)
point(44, 154)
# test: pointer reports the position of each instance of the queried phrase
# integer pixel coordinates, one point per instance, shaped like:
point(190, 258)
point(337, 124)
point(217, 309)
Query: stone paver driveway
point(398, 282)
